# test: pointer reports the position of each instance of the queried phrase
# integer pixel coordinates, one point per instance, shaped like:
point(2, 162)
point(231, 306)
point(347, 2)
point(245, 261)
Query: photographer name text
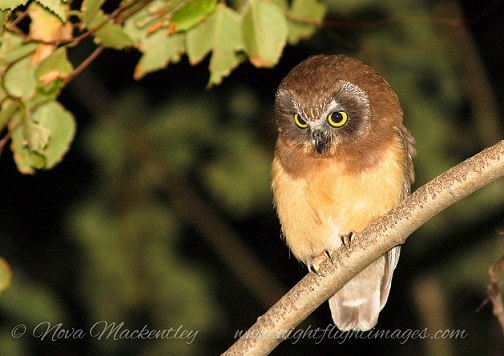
point(103, 330)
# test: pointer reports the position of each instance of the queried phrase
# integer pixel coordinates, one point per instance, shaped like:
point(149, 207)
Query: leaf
point(89, 8)
point(310, 10)
point(110, 34)
point(7, 110)
point(57, 7)
point(61, 125)
point(36, 136)
point(45, 26)
point(56, 66)
point(19, 81)
point(19, 146)
point(190, 15)
point(5, 274)
point(3, 16)
point(264, 33)
point(156, 16)
point(159, 49)
point(42, 140)
point(220, 33)
point(11, 4)
point(14, 47)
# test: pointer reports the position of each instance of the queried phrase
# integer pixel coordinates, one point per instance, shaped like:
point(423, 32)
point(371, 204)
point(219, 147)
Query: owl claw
point(346, 239)
point(317, 261)
point(328, 254)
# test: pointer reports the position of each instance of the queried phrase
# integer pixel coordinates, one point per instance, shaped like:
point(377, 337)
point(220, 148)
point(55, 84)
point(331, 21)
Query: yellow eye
point(299, 121)
point(337, 118)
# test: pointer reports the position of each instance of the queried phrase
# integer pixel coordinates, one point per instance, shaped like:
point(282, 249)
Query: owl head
point(330, 104)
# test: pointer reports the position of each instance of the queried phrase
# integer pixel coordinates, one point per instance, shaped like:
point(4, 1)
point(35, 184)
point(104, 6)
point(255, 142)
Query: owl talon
point(317, 261)
point(346, 239)
point(315, 270)
point(328, 254)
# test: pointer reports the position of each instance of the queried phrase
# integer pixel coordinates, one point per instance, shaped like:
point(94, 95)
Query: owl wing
point(392, 257)
point(410, 152)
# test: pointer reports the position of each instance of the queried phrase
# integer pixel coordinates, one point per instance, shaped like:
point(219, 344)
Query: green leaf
point(89, 9)
point(5, 274)
point(37, 160)
point(19, 145)
point(11, 4)
point(57, 7)
point(3, 16)
point(220, 33)
point(308, 10)
point(19, 81)
point(42, 140)
point(159, 49)
point(14, 47)
point(111, 34)
point(55, 67)
point(36, 136)
point(264, 33)
point(61, 125)
point(7, 110)
point(156, 15)
point(282, 4)
point(190, 15)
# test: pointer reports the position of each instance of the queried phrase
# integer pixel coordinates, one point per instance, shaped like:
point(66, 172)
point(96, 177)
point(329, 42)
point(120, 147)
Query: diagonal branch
point(390, 230)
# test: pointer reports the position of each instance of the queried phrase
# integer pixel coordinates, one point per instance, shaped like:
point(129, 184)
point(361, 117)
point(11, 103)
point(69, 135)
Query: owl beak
point(320, 140)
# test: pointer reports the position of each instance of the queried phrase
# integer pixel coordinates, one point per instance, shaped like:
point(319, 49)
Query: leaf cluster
point(36, 37)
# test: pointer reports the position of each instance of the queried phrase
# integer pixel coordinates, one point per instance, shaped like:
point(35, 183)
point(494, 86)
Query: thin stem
point(84, 64)
point(3, 142)
point(494, 291)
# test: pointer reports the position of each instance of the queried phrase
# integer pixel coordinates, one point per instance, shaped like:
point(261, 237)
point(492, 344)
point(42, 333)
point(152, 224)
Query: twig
point(494, 292)
point(390, 230)
point(4, 141)
point(20, 18)
point(84, 64)
point(124, 16)
point(114, 16)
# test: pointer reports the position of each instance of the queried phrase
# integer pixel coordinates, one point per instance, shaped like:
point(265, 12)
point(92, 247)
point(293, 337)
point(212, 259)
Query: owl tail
point(357, 305)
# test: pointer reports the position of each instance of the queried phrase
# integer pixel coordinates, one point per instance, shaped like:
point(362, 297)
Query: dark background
point(441, 277)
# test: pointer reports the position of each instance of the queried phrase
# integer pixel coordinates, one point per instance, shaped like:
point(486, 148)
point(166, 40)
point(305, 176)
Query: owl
point(342, 159)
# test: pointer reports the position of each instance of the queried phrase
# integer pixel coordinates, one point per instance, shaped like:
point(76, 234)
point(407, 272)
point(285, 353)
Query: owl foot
point(317, 261)
point(347, 239)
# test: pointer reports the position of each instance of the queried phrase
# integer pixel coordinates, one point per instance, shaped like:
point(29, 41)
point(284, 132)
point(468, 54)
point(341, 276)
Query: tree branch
point(390, 230)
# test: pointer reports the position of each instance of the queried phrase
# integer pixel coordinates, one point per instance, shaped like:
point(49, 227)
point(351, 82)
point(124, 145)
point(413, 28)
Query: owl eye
point(337, 118)
point(299, 121)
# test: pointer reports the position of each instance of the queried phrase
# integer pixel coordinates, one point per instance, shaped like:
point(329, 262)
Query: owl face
point(329, 104)
point(326, 120)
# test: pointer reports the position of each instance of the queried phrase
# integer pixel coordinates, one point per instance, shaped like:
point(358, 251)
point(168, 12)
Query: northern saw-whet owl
point(342, 159)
